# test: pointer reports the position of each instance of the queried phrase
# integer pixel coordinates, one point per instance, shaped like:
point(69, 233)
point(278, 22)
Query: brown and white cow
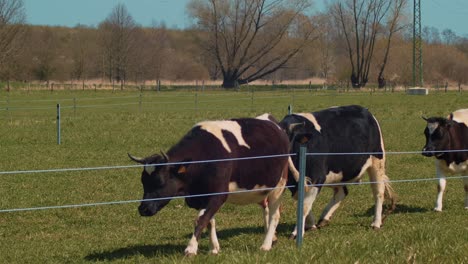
point(215, 140)
point(444, 136)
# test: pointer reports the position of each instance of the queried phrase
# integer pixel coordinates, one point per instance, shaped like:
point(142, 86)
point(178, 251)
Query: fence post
point(290, 110)
point(252, 100)
point(196, 101)
point(300, 195)
point(58, 124)
point(74, 106)
point(8, 107)
point(139, 102)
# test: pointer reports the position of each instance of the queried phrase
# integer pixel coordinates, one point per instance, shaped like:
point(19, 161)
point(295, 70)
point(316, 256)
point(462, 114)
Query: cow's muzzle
point(428, 152)
point(146, 210)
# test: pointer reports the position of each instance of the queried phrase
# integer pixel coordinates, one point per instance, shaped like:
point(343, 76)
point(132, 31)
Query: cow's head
point(160, 182)
point(437, 136)
point(298, 130)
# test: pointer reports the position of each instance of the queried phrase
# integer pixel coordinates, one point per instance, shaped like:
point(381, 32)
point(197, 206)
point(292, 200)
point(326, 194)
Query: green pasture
point(99, 128)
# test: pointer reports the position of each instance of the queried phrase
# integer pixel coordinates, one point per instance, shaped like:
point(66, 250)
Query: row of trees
point(235, 41)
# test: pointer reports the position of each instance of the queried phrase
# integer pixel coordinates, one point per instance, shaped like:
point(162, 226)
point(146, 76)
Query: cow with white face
point(238, 179)
point(444, 136)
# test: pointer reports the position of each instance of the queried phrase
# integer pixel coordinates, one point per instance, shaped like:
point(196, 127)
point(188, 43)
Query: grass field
point(99, 128)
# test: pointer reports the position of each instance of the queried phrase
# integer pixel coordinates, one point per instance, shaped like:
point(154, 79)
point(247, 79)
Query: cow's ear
point(303, 138)
point(450, 122)
point(182, 168)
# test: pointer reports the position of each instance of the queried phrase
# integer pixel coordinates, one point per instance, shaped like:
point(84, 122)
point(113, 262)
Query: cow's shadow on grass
point(146, 250)
point(399, 209)
point(168, 249)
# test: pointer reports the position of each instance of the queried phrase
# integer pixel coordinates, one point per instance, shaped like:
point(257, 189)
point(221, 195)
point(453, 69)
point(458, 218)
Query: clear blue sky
point(441, 14)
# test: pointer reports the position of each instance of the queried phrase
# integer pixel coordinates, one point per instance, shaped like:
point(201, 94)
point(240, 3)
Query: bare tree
point(117, 42)
point(45, 58)
point(12, 18)
point(325, 44)
point(247, 37)
point(393, 26)
point(83, 51)
point(361, 23)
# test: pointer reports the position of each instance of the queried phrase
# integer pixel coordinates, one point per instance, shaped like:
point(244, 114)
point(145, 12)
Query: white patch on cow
point(216, 129)
point(266, 118)
point(453, 168)
point(432, 127)
point(364, 168)
point(149, 168)
point(263, 117)
point(333, 177)
point(312, 119)
point(246, 196)
point(461, 116)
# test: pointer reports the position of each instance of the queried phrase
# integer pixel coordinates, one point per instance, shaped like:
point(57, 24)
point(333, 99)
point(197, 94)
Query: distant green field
point(99, 128)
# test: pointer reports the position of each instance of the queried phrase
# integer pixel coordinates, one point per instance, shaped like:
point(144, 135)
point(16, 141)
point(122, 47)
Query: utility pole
point(417, 46)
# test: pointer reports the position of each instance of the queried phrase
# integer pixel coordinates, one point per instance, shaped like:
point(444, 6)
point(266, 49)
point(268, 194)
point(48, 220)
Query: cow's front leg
point(213, 237)
point(440, 188)
point(339, 193)
point(214, 244)
point(202, 222)
point(309, 199)
point(310, 223)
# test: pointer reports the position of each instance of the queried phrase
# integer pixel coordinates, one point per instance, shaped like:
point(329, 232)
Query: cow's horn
point(136, 159)
point(293, 125)
point(423, 117)
point(165, 155)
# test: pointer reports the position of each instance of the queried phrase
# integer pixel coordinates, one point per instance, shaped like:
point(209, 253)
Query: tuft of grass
point(99, 128)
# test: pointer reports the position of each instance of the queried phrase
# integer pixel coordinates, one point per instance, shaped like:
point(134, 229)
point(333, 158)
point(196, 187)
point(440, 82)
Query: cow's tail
point(389, 195)
point(295, 174)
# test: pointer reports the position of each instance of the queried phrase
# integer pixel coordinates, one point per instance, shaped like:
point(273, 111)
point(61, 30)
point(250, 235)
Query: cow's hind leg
point(206, 217)
point(339, 193)
point(378, 178)
point(442, 182)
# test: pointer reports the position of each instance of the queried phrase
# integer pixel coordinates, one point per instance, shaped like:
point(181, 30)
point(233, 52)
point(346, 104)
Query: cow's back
point(350, 129)
point(460, 116)
point(240, 143)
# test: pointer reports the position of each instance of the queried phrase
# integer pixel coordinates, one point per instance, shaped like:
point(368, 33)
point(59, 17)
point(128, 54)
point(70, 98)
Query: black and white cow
point(443, 137)
point(214, 140)
point(347, 129)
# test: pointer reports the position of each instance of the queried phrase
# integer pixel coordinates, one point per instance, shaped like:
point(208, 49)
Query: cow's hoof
point(323, 223)
point(190, 252)
point(265, 248)
point(437, 209)
point(214, 251)
point(376, 228)
point(466, 207)
point(311, 228)
point(292, 236)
